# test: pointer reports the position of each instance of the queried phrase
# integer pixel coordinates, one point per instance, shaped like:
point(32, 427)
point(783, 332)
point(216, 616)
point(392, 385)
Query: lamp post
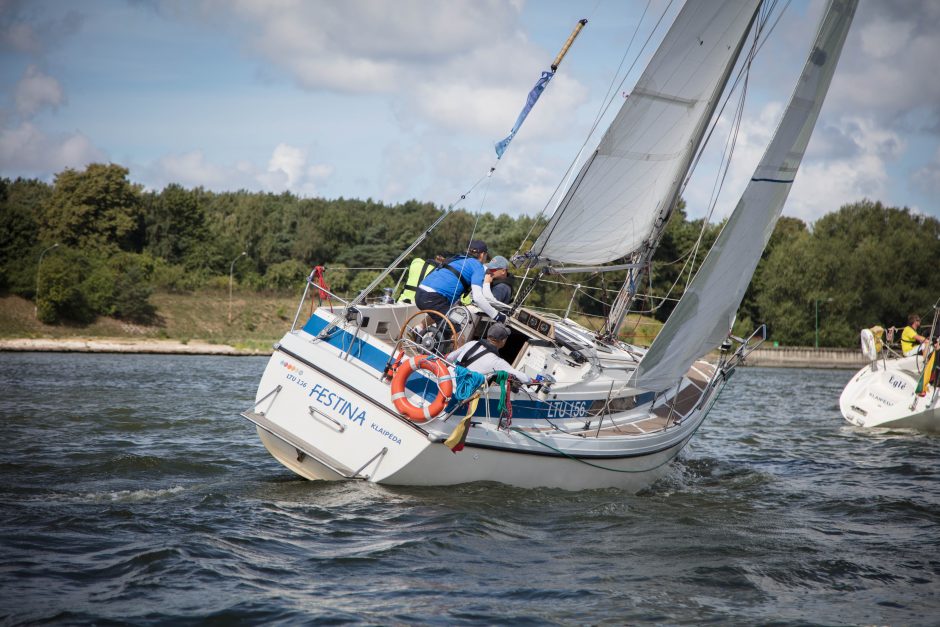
point(231, 270)
point(38, 269)
point(818, 300)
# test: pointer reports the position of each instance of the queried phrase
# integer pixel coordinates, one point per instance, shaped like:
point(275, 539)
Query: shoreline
point(124, 345)
point(780, 357)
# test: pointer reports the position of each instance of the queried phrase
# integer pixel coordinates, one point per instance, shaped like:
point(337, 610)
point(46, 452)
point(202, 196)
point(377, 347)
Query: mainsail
point(705, 313)
point(632, 179)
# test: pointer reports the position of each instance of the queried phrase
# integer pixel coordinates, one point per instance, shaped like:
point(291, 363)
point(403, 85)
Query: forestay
point(633, 177)
point(705, 313)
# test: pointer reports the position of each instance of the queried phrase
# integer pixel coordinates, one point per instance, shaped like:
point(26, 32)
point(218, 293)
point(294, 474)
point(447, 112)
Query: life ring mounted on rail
point(445, 388)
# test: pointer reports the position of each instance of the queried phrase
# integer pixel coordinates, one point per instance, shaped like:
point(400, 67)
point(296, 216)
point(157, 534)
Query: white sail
point(705, 313)
point(633, 177)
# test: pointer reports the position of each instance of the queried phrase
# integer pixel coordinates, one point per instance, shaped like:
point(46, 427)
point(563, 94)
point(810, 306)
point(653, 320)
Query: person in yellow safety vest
point(911, 341)
point(417, 270)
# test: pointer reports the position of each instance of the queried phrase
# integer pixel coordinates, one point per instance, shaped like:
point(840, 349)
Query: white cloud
point(490, 111)
point(20, 37)
point(824, 185)
point(287, 170)
point(363, 45)
point(885, 38)
point(847, 160)
point(928, 177)
point(443, 64)
point(28, 151)
point(320, 171)
point(35, 91)
point(890, 65)
point(190, 170)
point(24, 28)
point(290, 161)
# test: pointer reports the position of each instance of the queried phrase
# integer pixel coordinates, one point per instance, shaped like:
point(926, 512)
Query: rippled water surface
point(133, 492)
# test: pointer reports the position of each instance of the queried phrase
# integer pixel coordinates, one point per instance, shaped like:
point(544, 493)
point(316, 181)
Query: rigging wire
point(479, 211)
point(605, 106)
point(741, 77)
point(720, 181)
point(752, 54)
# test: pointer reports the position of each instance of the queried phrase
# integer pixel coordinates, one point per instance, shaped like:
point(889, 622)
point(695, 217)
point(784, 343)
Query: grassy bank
point(257, 321)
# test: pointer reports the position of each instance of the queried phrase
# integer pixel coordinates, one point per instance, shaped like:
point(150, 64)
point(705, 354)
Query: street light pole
point(828, 300)
point(38, 269)
point(817, 322)
point(231, 271)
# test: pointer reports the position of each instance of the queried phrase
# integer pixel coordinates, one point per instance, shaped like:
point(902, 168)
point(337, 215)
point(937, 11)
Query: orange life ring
point(445, 387)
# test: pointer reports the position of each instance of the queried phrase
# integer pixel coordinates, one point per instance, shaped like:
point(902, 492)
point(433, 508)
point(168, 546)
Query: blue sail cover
point(530, 101)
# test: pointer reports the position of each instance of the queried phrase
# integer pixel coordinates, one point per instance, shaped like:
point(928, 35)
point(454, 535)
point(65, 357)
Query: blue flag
point(529, 103)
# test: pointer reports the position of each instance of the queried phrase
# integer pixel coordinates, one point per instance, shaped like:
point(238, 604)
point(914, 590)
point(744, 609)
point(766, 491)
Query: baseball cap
point(477, 245)
point(498, 331)
point(498, 263)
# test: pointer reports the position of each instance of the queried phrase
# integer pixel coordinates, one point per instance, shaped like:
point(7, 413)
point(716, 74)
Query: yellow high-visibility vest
point(418, 269)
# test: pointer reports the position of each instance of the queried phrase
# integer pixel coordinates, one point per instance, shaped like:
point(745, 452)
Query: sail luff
point(635, 172)
point(704, 315)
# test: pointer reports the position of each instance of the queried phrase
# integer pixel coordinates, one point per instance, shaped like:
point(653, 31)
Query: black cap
point(477, 246)
point(497, 331)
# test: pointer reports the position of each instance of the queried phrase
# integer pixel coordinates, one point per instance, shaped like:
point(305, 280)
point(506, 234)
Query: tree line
point(106, 244)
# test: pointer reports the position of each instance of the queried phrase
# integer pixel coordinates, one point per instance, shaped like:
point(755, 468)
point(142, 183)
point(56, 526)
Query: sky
point(404, 99)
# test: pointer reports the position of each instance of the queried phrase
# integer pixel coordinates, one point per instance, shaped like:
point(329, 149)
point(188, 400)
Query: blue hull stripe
point(376, 359)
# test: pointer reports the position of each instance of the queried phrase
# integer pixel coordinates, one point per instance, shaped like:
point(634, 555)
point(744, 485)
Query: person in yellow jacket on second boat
point(911, 341)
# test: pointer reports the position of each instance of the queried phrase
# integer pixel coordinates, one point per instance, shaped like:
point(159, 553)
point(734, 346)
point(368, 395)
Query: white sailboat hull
point(436, 465)
point(326, 414)
point(882, 395)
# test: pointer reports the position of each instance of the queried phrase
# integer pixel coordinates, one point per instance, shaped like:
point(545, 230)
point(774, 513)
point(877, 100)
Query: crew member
point(483, 355)
point(457, 276)
point(911, 341)
point(498, 283)
point(417, 270)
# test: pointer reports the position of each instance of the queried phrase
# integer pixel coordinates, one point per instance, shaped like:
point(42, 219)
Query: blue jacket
point(446, 283)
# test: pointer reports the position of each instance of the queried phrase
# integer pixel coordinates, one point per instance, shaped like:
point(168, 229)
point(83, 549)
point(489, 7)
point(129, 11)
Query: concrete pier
point(800, 357)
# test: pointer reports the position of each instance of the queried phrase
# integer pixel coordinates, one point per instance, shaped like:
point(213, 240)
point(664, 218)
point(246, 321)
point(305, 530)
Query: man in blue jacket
point(457, 276)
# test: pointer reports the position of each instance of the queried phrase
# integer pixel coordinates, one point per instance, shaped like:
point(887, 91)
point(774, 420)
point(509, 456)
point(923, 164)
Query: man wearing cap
point(457, 276)
point(498, 283)
point(483, 355)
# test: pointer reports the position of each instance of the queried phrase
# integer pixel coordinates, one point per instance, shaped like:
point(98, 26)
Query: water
point(132, 492)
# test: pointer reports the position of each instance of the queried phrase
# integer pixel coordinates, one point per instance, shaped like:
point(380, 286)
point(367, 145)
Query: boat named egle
point(895, 391)
point(356, 391)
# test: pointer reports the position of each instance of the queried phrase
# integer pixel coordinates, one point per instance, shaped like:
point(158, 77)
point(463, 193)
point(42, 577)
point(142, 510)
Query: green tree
point(863, 265)
point(120, 286)
point(21, 203)
point(786, 232)
point(175, 225)
point(285, 275)
point(61, 296)
point(678, 258)
point(98, 209)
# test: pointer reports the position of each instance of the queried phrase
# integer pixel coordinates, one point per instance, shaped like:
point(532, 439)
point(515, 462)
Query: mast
point(644, 256)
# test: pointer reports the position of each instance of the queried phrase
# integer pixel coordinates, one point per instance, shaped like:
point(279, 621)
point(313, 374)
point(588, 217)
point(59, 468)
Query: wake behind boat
point(360, 393)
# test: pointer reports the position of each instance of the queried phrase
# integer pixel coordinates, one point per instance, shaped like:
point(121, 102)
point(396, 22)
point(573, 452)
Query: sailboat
point(894, 391)
point(353, 393)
